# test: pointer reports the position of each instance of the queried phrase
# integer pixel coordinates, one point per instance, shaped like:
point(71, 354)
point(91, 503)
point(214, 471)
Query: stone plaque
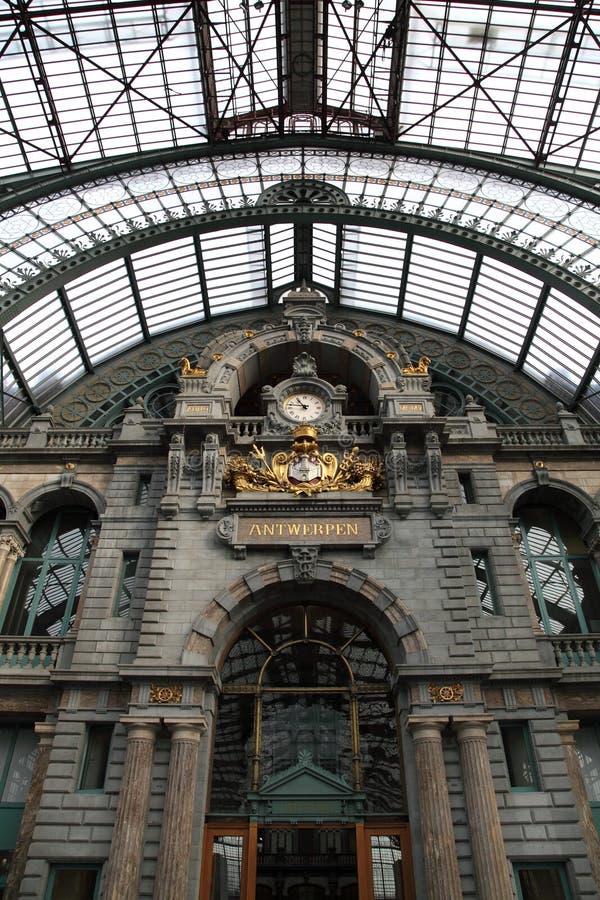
point(197, 409)
point(410, 407)
point(310, 529)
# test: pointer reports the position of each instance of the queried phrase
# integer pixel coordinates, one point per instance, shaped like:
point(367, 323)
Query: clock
point(303, 406)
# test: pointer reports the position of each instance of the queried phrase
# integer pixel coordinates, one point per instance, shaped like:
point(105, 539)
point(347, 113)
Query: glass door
point(307, 862)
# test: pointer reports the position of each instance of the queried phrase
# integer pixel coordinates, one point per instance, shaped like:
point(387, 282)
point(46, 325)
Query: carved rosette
point(446, 693)
point(161, 693)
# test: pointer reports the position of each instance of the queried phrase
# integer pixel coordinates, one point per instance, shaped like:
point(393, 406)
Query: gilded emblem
point(446, 693)
point(422, 367)
point(303, 469)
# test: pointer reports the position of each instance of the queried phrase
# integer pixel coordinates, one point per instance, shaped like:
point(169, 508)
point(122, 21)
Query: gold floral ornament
point(189, 371)
point(160, 693)
point(446, 693)
point(422, 367)
point(303, 469)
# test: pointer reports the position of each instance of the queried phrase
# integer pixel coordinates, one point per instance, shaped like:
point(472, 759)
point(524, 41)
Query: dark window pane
point(227, 867)
point(483, 581)
point(306, 724)
point(465, 484)
point(93, 772)
point(386, 861)
point(306, 864)
point(232, 762)
point(542, 883)
point(126, 583)
point(18, 764)
point(380, 757)
point(74, 884)
point(519, 757)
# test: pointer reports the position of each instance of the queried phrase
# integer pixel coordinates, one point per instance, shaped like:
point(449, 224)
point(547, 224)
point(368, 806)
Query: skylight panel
point(13, 402)
point(105, 310)
point(438, 281)
point(563, 345)
point(235, 267)
point(372, 262)
point(503, 303)
point(56, 361)
point(282, 254)
point(324, 243)
point(168, 283)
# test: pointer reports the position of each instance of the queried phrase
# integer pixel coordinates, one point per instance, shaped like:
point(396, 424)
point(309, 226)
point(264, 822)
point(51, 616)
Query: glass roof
point(450, 152)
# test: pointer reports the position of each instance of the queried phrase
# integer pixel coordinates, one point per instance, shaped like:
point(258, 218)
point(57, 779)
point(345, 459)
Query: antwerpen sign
point(361, 531)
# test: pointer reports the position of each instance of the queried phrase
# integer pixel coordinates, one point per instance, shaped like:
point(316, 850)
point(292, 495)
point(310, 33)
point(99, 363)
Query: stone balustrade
point(247, 428)
point(576, 650)
point(531, 436)
point(28, 653)
point(79, 440)
point(12, 440)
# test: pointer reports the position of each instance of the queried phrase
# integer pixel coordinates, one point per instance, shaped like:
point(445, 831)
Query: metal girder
point(17, 373)
point(470, 294)
point(268, 268)
point(202, 277)
point(533, 324)
point(397, 33)
point(303, 252)
point(404, 277)
point(556, 100)
point(135, 292)
point(77, 336)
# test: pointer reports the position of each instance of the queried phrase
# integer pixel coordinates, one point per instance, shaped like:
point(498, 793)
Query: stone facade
point(458, 671)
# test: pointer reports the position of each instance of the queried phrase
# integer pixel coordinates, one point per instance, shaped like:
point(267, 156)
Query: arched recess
point(274, 585)
point(54, 495)
point(561, 495)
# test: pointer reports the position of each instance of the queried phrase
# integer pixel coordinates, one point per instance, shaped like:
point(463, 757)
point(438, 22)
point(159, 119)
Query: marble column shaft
point(567, 732)
point(492, 874)
point(172, 867)
point(40, 768)
point(439, 849)
point(125, 858)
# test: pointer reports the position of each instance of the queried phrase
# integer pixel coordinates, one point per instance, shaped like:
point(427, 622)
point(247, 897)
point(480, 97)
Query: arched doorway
point(307, 797)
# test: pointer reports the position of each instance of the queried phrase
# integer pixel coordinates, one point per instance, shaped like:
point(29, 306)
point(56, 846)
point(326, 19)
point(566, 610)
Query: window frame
point(91, 728)
point(523, 865)
point(466, 487)
point(57, 867)
point(480, 558)
point(128, 556)
point(525, 731)
point(46, 561)
point(563, 558)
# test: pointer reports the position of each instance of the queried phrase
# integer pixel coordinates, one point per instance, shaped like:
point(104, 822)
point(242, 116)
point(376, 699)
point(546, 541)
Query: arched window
point(47, 582)
point(564, 580)
point(307, 682)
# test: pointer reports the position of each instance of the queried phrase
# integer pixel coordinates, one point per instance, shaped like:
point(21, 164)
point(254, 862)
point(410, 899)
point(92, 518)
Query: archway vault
point(273, 586)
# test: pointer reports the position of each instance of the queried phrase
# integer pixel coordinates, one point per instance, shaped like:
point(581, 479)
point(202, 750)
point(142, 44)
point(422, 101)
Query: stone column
point(439, 849)
point(492, 875)
point(124, 861)
point(10, 551)
point(19, 859)
point(567, 732)
point(172, 867)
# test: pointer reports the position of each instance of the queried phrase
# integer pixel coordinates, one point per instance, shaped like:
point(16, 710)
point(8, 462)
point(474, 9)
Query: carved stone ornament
point(381, 528)
point(303, 470)
point(305, 365)
point(160, 693)
point(13, 548)
point(225, 528)
point(446, 693)
point(305, 563)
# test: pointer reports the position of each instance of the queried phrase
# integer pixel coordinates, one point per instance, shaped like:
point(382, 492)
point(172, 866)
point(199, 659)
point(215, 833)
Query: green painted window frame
point(523, 730)
point(47, 560)
point(126, 583)
point(484, 583)
point(563, 559)
point(559, 867)
point(55, 868)
point(98, 740)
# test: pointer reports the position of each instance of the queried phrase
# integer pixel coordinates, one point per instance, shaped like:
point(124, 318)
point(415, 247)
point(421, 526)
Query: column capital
point(426, 727)
point(187, 729)
point(141, 728)
point(475, 726)
point(45, 730)
point(567, 730)
point(11, 544)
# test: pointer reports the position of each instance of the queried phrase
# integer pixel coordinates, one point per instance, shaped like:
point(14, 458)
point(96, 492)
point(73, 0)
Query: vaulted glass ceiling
point(168, 162)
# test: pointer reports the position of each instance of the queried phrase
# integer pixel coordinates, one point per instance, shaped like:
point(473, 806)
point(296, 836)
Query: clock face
point(303, 407)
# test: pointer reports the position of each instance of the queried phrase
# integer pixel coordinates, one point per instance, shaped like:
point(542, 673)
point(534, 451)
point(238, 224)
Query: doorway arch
point(307, 798)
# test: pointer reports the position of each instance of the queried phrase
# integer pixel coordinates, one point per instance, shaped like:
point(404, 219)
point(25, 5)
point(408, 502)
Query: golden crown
point(304, 431)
